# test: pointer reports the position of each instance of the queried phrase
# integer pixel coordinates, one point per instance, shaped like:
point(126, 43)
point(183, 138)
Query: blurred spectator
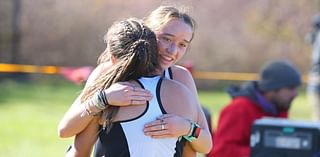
point(271, 96)
point(313, 89)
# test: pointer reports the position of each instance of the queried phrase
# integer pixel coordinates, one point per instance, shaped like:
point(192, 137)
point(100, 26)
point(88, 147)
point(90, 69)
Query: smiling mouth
point(166, 58)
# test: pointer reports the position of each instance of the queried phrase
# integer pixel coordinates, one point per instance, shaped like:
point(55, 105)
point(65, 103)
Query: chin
point(165, 66)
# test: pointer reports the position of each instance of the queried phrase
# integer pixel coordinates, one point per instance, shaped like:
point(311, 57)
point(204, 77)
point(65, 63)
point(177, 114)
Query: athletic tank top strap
point(167, 73)
point(153, 85)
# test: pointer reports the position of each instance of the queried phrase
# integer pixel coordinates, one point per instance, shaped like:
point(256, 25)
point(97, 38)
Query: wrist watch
point(194, 132)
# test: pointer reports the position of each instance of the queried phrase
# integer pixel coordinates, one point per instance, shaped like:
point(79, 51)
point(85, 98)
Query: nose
point(172, 49)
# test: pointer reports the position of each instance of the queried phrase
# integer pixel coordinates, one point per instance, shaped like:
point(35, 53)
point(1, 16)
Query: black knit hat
point(278, 74)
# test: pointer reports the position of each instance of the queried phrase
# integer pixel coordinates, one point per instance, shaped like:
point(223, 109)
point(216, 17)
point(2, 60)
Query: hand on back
point(126, 93)
point(173, 126)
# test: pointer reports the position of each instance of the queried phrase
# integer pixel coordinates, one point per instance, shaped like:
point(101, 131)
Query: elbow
point(209, 144)
point(63, 132)
point(205, 149)
point(208, 148)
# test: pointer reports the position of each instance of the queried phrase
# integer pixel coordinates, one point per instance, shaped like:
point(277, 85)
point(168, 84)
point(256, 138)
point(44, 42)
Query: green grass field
point(29, 115)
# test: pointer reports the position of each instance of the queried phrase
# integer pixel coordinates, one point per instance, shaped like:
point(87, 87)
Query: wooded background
point(231, 36)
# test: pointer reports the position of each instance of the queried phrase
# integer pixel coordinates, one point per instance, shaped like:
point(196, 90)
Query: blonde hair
point(163, 14)
point(134, 47)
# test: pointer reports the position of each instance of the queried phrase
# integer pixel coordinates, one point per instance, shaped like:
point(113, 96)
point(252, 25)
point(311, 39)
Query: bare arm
point(178, 125)
point(119, 94)
point(84, 141)
point(74, 121)
point(182, 75)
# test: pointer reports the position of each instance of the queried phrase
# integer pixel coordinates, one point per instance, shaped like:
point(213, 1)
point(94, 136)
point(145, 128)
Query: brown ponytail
point(134, 47)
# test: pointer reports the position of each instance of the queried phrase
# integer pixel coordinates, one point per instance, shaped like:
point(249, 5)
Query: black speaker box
point(276, 137)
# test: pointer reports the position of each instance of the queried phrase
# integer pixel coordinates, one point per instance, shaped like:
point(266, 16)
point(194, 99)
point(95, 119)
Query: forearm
point(84, 141)
point(203, 143)
point(188, 151)
point(74, 121)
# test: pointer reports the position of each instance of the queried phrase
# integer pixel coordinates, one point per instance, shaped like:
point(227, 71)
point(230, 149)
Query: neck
point(157, 72)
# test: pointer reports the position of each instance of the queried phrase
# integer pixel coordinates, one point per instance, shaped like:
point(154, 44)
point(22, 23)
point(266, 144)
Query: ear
point(113, 59)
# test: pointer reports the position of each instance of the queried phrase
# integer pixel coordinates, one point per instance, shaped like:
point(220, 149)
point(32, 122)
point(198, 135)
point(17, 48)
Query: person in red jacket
point(270, 96)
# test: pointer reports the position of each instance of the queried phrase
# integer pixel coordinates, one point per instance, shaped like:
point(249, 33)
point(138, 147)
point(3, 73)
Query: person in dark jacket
point(270, 96)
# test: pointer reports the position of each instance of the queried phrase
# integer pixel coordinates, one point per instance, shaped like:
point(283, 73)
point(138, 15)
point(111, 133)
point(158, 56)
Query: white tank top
point(126, 138)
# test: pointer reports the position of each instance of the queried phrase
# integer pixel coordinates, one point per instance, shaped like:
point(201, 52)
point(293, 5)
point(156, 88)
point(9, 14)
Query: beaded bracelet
point(100, 100)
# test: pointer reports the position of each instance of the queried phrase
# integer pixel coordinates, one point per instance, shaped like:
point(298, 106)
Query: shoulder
point(179, 71)
point(174, 92)
point(173, 85)
point(183, 75)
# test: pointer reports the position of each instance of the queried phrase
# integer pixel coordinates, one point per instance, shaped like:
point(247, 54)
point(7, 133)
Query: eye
point(183, 45)
point(167, 39)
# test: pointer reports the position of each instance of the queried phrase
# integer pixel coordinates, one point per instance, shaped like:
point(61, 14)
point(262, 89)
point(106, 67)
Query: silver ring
point(162, 126)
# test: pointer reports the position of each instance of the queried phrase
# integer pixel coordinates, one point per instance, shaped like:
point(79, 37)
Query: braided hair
point(134, 48)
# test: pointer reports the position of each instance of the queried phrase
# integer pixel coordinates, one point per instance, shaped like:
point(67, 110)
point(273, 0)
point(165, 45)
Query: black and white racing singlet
point(126, 138)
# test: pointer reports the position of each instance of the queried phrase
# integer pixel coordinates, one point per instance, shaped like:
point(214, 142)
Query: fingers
point(126, 93)
point(144, 98)
point(159, 134)
point(154, 123)
point(157, 129)
point(138, 102)
point(134, 90)
point(174, 125)
point(129, 84)
point(164, 116)
point(139, 96)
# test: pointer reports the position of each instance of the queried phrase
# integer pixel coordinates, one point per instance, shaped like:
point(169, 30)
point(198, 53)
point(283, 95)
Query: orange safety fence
point(81, 73)
point(74, 74)
point(28, 68)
